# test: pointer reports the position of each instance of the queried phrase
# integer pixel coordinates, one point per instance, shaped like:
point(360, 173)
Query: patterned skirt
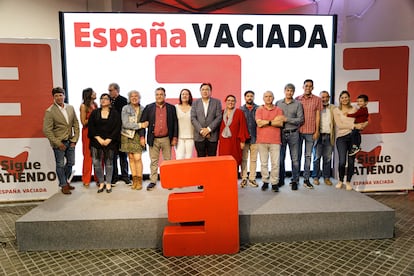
point(131, 145)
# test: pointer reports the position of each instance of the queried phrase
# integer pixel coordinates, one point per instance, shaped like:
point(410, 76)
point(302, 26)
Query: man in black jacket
point(118, 102)
point(162, 131)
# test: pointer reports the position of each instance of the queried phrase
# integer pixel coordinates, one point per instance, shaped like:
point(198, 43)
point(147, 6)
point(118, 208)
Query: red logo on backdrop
point(222, 71)
point(14, 165)
point(368, 158)
point(31, 89)
point(390, 91)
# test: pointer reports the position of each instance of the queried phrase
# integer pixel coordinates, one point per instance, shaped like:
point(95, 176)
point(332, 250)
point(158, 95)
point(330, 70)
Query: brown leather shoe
point(70, 187)
point(328, 182)
point(134, 182)
point(139, 183)
point(65, 190)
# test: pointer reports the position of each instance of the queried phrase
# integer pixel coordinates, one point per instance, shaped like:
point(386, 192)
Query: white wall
point(40, 18)
point(378, 20)
point(34, 18)
point(368, 20)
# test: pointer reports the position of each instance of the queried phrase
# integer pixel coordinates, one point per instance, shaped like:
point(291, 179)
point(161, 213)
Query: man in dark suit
point(118, 102)
point(206, 116)
point(162, 131)
point(61, 128)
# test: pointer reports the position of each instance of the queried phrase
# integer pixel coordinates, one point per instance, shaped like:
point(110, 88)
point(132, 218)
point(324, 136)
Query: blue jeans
point(344, 145)
point(308, 153)
point(106, 157)
point(291, 139)
point(322, 149)
point(64, 169)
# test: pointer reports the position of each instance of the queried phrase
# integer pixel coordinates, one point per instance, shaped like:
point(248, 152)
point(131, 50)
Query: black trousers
point(123, 160)
point(206, 148)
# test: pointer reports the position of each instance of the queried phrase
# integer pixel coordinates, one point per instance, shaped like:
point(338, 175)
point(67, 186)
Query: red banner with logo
point(382, 71)
point(29, 68)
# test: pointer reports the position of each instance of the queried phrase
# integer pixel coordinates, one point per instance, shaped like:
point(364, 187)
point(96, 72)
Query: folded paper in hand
point(129, 132)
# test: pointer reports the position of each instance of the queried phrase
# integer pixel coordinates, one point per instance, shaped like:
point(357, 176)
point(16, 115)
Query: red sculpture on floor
point(209, 219)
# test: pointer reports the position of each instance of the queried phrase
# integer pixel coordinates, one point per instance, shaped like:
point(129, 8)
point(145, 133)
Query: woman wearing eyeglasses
point(233, 131)
point(104, 131)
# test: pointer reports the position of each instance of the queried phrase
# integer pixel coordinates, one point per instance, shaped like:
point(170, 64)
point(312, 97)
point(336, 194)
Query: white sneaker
point(354, 151)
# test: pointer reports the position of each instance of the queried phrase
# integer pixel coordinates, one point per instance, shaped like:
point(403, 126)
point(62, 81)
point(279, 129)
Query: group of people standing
point(121, 129)
point(306, 120)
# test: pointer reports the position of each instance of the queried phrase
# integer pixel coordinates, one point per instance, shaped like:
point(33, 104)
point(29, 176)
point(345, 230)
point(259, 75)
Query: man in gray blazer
point(206, 116)
point(61, 128)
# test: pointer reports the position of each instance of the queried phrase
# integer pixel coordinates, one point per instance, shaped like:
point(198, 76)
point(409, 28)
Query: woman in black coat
point(104, 128)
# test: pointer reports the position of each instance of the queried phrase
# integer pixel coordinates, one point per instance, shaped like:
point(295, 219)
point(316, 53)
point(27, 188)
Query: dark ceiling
point(215, 6)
